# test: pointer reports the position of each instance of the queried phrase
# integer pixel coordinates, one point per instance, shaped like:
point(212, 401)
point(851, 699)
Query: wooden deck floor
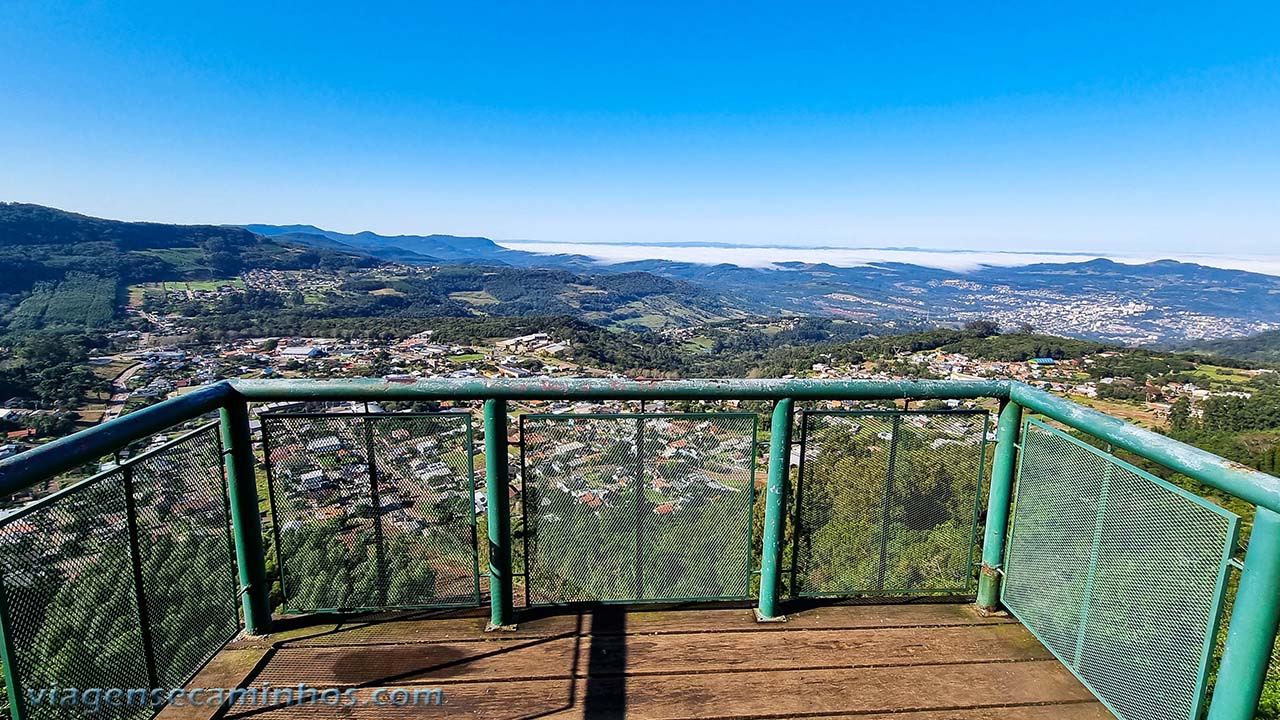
point(908, 662)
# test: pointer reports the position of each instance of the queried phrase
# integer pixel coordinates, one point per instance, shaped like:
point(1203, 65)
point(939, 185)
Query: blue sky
point(1068, 127)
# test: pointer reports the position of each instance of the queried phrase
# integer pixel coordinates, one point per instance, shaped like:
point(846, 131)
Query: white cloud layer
point(959, 261)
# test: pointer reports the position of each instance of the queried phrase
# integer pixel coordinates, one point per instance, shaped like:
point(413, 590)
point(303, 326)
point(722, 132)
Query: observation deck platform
point(919, 661)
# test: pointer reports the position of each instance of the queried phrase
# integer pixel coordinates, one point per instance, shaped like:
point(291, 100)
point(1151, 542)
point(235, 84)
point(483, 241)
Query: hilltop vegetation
point(978, 340)
point(68, 270)
point(1263, 347)
point(388, 301)
point(45, 244)
point(79, 300)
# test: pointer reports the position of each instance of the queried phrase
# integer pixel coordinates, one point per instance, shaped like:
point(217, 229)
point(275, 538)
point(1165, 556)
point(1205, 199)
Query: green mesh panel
point(88, 607)
point(637, 507)
point(887, 502)
point(1118, 573)
point(373, 511)
point(188, 561)
point(426, 487)
point(71, 605)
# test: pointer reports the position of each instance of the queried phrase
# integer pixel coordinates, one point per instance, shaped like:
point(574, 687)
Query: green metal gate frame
point(751, 503)
point(797, 510)
point(1220, 590)
point(366, 417)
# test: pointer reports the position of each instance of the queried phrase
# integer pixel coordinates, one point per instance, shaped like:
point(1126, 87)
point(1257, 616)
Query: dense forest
point(385, 302)
point(1263, 347)
point(1246, 430)
point(333, 565)
point(49, 370)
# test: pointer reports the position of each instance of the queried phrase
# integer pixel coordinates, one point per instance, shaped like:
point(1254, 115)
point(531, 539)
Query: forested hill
point(433, 248)
point(63, 269)
point(41, 244)
point(1263, 347)
point(66, 271)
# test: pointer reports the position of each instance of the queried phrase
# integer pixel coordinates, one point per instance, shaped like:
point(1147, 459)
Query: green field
point(652, 322)
point(208, 285)
point(155, 291)
point(478, 297)
point(182, 258)
point(1218, 375)
point(81, 300)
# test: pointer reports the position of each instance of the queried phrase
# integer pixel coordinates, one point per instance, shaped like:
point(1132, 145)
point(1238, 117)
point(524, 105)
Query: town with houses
point(419, 475)
point(145, 373)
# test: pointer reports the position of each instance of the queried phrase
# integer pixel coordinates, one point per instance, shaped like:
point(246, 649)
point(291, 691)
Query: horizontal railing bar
point(569, 417)
point(941, 411)
point(601, 389)
point(29, 468)
point(26, 469)
point(384, 414)
point(1231, 477)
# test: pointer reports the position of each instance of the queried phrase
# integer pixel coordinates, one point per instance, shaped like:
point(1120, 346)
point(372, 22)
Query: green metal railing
point(1118, 573)
point(123, 580)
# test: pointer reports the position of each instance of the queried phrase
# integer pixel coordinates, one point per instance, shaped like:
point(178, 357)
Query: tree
point(53, 424)
point(982, 328)
point(1180, 415)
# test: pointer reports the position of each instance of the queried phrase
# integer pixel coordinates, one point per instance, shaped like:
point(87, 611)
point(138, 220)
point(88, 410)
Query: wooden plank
point(635, 621)
point(226, 670)
point(751, 695)
point(552, 658)
point(1071, 711)
point(808, 692)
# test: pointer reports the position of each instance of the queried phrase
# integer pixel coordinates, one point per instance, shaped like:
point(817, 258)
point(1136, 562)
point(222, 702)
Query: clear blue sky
point(1054, 126)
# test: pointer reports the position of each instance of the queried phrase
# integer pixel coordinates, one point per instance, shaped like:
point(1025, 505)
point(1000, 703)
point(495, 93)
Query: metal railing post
point(1002, 473)
point(379, 538)
point(9, 658)
point(498, 504)
point(775, 505)
point(1254, 619)
point(139, 586)
point(246, 517)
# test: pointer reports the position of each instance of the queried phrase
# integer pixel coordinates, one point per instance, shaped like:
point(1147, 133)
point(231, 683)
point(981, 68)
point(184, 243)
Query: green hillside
point(1263, 347)
point(65, 269)
point(72, 271)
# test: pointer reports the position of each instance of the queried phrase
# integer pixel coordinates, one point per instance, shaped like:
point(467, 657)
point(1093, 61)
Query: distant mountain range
point(1160, 303)
point(413, 249)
